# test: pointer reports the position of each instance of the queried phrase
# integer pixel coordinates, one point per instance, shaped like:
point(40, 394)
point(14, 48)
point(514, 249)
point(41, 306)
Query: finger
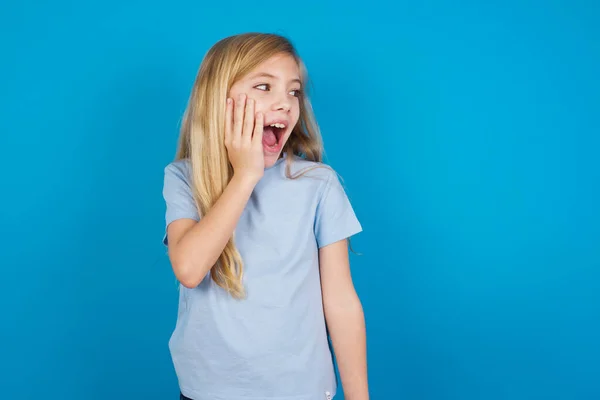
point(248, 121)
point(238, 118)
point(258, 130)
point(228, 121)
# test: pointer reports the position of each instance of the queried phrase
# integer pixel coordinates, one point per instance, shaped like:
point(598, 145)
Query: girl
point(256, 229)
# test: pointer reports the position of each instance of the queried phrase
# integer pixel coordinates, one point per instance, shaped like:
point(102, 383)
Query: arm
point(345, 319)
point(194, 247)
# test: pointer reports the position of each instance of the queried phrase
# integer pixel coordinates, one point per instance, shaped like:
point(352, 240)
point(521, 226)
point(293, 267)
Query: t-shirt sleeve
point(335, 217)
point(178, 196)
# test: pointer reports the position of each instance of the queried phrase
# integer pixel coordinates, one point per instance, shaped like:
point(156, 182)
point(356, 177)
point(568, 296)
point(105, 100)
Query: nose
point(281, 102)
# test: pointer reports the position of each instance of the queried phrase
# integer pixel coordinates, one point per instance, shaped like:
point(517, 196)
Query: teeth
point(281, 126)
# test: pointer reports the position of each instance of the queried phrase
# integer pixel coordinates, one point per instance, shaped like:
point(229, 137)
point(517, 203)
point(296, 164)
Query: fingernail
point(228, 100)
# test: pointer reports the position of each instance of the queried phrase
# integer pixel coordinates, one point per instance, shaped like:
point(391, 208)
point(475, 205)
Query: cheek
point(296, 113)
point(259, 104)
point(234, 92)
point(237, 89)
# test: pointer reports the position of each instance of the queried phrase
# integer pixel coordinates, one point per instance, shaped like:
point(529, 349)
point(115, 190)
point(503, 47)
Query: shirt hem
point(194, 395)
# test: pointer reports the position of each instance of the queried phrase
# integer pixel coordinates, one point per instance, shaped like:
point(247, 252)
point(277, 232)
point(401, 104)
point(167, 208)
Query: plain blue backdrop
point(467, 135)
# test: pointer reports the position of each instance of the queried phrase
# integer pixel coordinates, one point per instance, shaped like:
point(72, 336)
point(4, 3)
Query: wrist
point(245, 181)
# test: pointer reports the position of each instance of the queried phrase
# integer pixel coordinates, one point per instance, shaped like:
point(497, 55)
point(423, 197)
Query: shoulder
point(178, 194)
point(312, 169)
point(181, 166)
point(319, 175)
point(178, 170)
point(177, 178)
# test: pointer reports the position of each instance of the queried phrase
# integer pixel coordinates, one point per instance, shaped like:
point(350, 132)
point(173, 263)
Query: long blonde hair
point(202, 131)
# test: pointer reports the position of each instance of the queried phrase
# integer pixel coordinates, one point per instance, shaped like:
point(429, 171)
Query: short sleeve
point(335, 218)
point(177, 194)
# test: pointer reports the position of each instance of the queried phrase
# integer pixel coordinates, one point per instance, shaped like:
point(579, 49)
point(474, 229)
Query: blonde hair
point(202, 131)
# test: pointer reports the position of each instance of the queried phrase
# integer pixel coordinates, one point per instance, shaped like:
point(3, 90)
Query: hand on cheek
point(243, 137)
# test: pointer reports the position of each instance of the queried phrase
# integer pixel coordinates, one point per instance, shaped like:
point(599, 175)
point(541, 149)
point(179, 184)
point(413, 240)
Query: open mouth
point(272, 135)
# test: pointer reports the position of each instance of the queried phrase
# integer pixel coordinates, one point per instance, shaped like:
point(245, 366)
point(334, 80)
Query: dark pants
point(182, 397)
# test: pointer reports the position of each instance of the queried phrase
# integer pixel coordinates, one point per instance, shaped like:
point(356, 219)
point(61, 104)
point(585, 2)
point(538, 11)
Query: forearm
point(346, 326)
point(200, 247)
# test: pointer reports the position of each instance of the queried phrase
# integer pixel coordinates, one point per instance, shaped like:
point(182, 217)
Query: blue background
point(467, 135)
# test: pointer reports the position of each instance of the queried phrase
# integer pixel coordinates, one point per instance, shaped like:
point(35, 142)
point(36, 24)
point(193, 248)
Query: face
point(275, 87)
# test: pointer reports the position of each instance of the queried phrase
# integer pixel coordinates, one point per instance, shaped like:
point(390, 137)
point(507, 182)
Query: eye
point(296, 92)
point(262, 85)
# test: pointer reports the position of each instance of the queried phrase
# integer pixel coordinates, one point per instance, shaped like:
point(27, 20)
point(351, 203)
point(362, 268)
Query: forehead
point(282, 66)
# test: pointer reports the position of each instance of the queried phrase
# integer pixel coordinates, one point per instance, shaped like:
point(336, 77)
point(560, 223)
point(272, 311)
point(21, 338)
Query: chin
point(271, 159)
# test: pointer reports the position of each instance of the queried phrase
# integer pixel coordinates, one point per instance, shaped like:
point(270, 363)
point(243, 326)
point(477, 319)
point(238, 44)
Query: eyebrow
point(267, 75)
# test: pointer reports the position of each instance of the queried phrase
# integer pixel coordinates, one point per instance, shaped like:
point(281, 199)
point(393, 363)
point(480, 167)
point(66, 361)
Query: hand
point(243, 138)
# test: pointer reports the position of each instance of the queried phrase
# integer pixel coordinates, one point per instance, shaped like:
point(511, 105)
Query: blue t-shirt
point(273, 344)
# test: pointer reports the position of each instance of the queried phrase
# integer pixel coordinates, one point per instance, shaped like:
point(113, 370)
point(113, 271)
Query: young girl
point(256, 229)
